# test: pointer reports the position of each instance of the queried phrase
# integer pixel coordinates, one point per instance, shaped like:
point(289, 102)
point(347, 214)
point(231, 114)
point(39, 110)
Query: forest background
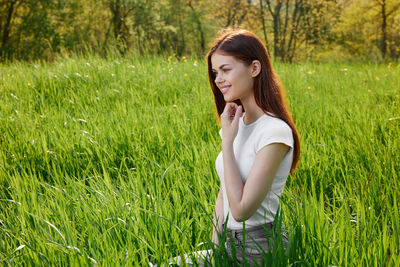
point(109, 133)
point(293, 30)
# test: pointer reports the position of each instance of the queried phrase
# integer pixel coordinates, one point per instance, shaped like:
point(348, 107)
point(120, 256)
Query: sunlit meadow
point(112, 162)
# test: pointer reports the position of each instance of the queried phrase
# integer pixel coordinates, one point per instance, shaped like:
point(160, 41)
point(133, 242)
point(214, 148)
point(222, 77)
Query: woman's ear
point(255, 68)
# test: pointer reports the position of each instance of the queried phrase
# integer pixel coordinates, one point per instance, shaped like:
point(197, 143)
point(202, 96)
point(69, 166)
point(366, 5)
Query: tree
point(9, 12)
point(120, 10)
point(298, 24)
point(27, 31)
point(377, 33)
point(197, 20)
point(263, 22)
point(386, 11)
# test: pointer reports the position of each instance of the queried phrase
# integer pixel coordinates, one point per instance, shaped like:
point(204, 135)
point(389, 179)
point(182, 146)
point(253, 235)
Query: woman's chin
point(229, 99)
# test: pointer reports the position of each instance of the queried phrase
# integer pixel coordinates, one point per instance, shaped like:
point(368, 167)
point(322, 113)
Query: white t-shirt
point(248, 141)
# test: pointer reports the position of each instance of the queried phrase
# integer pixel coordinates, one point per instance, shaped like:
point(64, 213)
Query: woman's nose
point(218, 79)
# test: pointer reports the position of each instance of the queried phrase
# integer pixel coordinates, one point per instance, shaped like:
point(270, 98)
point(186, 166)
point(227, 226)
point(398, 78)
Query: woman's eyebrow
point(220, 67)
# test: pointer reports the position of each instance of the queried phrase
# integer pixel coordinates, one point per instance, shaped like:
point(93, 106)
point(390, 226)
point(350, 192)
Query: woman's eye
point(224, 70)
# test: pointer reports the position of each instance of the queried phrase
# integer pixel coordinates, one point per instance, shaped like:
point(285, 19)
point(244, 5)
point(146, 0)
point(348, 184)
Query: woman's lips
point(225, 89)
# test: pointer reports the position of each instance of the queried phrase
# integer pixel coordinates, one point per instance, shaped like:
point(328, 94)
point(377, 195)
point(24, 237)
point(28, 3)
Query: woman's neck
point(252, 110)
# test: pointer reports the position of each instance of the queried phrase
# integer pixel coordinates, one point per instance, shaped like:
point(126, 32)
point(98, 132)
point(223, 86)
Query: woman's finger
point(238, 114)
point(230, 109)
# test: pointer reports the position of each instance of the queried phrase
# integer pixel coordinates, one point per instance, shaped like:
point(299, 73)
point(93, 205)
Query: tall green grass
point(106, 162)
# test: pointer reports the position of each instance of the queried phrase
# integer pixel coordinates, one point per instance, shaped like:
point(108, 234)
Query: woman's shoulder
point(272, 130)
point(270, 121)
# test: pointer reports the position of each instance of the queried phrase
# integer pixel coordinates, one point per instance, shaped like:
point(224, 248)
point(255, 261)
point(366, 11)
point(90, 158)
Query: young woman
point(260, 143)
point(260, 147)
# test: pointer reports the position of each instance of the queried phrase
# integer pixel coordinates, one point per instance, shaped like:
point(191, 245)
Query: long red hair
point(269, 95)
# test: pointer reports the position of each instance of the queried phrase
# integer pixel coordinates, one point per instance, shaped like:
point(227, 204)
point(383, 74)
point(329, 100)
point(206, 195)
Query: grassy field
point(112, 162)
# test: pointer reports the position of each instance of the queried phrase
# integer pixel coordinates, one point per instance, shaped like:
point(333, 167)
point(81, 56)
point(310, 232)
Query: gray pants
point(252, 244)
point(248, 246)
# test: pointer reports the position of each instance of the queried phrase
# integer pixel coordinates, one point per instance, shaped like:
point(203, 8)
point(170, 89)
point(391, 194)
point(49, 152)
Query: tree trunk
point(228, 22)
point(181, 47)
point(297, 15)
point(263, 23)
point(276, 36)
point(232, 12)
point(244, 13)
point(383, 40)
point(283, 41)
point(6, 32)
point(116, 18)
point(276, 22)
point(199, 28)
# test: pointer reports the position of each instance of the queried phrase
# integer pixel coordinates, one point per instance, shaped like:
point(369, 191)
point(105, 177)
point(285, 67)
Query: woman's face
point(232, 77)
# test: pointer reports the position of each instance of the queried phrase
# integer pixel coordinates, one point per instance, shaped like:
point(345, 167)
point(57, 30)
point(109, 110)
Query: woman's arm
point(244, 199)
point(218, 217)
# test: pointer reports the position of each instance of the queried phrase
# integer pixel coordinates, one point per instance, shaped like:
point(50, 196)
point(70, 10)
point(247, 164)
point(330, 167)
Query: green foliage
point(31, 29)
point(362, 35)
point(112, 162)
point(313, 30)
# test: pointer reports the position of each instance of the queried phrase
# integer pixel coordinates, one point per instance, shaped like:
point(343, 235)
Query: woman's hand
point(230, 121)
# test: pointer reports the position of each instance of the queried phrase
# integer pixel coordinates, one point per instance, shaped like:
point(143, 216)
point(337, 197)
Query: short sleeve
point(276, 132)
